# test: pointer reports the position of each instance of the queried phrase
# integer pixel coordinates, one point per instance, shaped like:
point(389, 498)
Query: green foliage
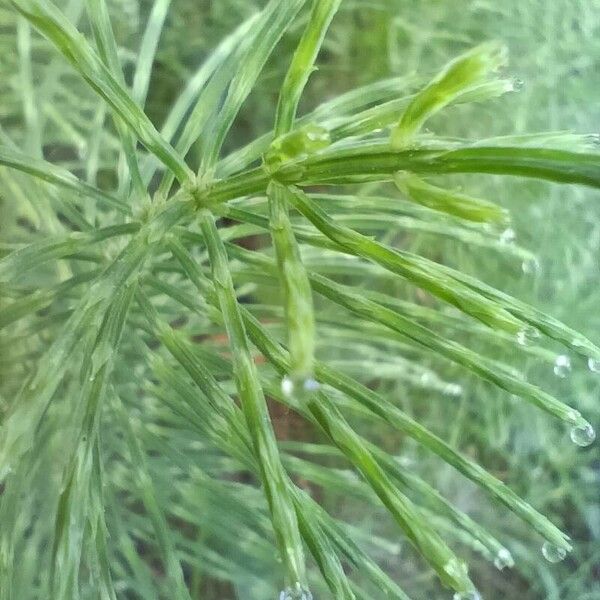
point(150, 345)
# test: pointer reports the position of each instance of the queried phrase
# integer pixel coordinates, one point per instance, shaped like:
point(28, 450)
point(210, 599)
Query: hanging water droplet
point(562, 366)
point(583, 434)
point(508, 236)
point(530, 265)
point(470, 595)
point(594, 365)
point(287, 386)
point(553, 553)
point(297, 592)
point(504, 560)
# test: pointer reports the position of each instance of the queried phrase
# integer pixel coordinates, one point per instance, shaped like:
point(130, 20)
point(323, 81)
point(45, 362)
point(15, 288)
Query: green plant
point(117, 382)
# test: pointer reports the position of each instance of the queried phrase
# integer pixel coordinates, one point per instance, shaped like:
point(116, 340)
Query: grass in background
point(190, 525)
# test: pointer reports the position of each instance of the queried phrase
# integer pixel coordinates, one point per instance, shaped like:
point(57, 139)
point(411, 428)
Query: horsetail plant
point(151, 350)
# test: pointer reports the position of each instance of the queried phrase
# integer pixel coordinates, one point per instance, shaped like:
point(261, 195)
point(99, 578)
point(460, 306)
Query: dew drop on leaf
point(562, 366)
point(310, 385)
point(452, 389)
point(427, 379)
point(594, 365)
point(287, 386)
point(508, 236)
point(553, 553)
point(503, 560)
point(470, 595)
point(583, 434)
point(296, 592)
point(517, 84)
point(307, 385)
point(530, 266)
point(456, 568)
point(526, 335)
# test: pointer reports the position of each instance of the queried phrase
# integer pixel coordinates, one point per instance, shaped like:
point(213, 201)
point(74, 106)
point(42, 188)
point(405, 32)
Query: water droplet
point(508, 236)
point(553, 553)
point(290, 386)
point(427, 379)
point(594, 365)
point(318, 134)
point(311, 385)
point(456, 568)
point(297, 592)
point(350, 475)
point(530, 265)
point(526, 335)
point(504, 560)
point(287, 386)
point(562, 366)
point(297, 144)
point(583, 434)
point(452, 389)
point(81, 149)
point(593, 139)
point(517, 84)
point(470, 595)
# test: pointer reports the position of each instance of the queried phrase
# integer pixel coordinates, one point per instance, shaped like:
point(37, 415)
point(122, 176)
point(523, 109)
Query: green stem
point(380, 162)
point(274, 478)
point(296, 286)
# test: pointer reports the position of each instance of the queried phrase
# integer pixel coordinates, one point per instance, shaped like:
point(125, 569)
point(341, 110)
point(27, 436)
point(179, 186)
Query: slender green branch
point(274, 479)
point(379, 162)
point(295, 286)
point(46, 171)
point(108, 51)
point(301, 67)
point(463, 75)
